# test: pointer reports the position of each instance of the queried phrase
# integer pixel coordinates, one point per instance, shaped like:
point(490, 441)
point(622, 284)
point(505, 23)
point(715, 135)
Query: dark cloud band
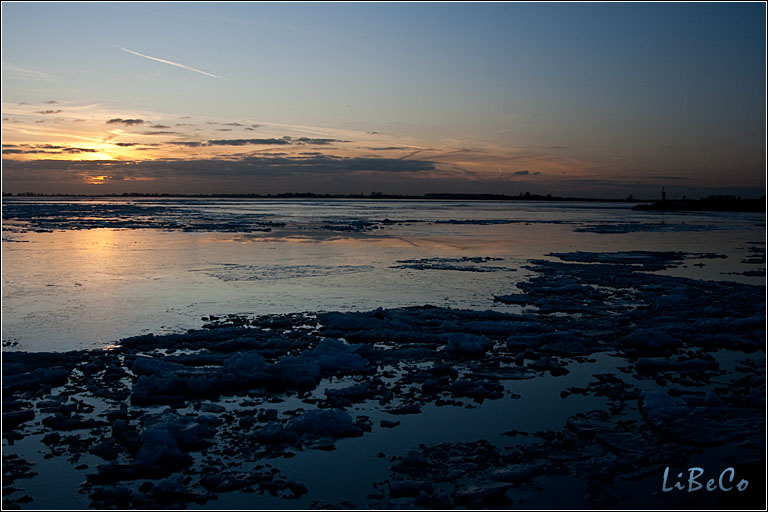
point(127, 122)
point(248, 142)
point(246, 167)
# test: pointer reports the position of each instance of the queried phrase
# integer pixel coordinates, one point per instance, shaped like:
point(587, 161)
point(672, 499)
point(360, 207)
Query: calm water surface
point(84, 288)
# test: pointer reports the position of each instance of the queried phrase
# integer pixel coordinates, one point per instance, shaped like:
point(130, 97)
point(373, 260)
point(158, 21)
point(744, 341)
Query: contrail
point(169, 62)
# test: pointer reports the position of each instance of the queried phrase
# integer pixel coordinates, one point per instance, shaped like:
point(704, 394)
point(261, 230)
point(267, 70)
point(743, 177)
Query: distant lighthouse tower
point(663, 195)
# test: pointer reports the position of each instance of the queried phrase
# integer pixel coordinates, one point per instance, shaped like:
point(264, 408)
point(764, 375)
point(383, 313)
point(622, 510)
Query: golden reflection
point(98, 245)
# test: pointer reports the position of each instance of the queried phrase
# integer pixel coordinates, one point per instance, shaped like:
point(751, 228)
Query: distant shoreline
point(310, 195)
point(712, 203)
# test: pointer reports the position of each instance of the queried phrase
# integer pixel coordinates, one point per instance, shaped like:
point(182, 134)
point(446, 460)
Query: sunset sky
point(593, 99)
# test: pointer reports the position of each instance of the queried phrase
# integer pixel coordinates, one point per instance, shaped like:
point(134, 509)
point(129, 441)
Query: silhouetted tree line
point(526, 196)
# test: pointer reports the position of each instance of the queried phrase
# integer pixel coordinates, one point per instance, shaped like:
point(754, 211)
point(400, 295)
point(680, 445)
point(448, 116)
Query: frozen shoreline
point(663, 370)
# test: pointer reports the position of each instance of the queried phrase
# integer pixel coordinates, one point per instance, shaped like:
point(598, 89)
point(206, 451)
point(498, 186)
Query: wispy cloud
point(26, 73)
point(161, 132)
point(48, 149)
point(182, 66)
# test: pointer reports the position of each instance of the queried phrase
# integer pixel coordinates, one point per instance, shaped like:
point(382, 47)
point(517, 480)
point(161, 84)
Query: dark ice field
point(239, 354)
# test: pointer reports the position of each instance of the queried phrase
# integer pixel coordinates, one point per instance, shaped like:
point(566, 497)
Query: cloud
point(47, 111)
point(247, 142)
point(282, 141)
point(51, 102)
point(233, 123)
point(329, 164)
point(317, 142)
point(46, 149)
point(36, 146)
point(189, 68)
point(126, 144)
point(25, 73)
point(190, 144)
point(160, 132)
point(667, 177)
point(388, 148)
point(246, 168)
point(127, 122)
point(79, 150)
point(160, 126)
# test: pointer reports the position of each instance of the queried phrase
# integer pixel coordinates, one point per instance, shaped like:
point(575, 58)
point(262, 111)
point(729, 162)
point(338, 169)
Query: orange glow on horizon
point(86, 137)
point(96, 180)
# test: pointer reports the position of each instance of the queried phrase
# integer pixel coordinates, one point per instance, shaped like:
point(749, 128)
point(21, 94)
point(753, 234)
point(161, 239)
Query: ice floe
point(464, 264)
point(180, 419)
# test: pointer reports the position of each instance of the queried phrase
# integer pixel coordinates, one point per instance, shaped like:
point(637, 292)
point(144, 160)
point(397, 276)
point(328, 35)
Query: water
point(73, 288)
point(84, 273)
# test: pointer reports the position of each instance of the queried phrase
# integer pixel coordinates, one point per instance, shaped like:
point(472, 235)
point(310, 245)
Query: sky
point(574, 99)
